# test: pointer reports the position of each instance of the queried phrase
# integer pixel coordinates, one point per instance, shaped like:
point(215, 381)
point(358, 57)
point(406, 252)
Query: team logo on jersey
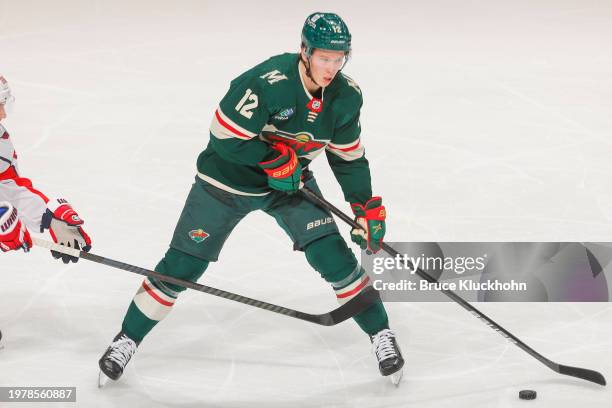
point(302, 143)
point(273, 76)
point(285, 114)
point(198, 235)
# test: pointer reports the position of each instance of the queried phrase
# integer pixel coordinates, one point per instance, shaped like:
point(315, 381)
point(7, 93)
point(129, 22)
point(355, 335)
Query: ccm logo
point(318, 223)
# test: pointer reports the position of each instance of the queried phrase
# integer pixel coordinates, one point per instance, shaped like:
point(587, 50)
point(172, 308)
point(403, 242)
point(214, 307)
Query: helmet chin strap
point(308, 73)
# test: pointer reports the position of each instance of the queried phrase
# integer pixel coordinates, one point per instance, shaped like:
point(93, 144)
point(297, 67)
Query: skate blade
point(102, 379)
point(396, 377)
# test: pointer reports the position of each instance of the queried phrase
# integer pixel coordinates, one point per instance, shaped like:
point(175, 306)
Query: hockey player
point(23, 207)
point(274, 120)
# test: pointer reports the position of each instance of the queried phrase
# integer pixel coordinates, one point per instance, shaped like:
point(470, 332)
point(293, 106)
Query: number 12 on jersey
point(245, 108)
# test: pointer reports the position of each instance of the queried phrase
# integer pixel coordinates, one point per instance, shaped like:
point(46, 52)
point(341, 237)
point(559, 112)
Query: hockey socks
point(155, 299)
point(337, 264)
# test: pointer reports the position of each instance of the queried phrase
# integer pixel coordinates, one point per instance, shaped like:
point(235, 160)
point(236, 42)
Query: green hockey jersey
point(270, 103)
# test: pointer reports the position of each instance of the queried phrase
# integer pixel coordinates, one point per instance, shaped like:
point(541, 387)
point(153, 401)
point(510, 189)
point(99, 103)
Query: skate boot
point(388, 354)
point(116, 357)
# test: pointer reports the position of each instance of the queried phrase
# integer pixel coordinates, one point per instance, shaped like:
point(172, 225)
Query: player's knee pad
point(331, 257)
point(155, 298)
point(180, 265)
point(336, 263)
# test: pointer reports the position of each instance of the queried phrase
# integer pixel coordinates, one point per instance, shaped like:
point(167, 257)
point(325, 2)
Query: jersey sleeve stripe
point(349, 154)
point(223, 127)
point(346, 147)
point(26, 183)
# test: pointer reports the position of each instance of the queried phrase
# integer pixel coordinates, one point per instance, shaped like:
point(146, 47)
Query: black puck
point(528, 395)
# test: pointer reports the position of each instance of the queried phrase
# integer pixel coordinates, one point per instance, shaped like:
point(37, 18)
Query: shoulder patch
point(273, 76)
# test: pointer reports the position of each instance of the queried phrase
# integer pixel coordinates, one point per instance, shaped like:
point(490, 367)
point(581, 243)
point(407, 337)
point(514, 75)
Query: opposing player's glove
point(64, 225)
point(285, 171)
point(13, 233)
point(371, 216)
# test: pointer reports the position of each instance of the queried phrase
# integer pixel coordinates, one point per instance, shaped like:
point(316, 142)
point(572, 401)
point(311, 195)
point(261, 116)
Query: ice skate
point(116, 357)
point(388, 354)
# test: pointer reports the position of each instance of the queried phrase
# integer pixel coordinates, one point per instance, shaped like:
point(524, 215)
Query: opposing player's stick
point(348, 310)
point(583, 373)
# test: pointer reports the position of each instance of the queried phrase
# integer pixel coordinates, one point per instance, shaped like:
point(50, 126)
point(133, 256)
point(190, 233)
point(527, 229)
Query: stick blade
point(589, 375)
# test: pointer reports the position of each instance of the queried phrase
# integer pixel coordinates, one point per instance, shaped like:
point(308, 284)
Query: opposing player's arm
point(13, 233)
point(238, 121)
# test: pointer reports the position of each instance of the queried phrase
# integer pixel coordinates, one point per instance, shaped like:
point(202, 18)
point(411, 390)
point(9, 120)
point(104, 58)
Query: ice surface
point(483, 121)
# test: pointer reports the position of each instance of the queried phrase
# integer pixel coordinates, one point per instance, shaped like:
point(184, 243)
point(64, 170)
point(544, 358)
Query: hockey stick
point(342, 313)
point(583, 373)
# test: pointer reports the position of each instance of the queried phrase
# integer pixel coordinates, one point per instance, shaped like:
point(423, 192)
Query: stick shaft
point(585, 374)
point(344, 312)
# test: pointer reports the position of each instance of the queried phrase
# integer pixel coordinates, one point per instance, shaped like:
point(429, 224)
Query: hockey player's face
point(2, 112)
point(324, 65)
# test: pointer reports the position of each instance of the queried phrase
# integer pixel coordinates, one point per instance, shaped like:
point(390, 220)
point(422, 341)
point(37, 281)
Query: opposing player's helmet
point(326, 31)
point(5, 92)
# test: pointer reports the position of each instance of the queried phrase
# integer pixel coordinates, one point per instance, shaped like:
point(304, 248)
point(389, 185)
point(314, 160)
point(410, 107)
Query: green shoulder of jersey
point(260, 92)
point(269, 88)
point(347, 99)
point(270, 102)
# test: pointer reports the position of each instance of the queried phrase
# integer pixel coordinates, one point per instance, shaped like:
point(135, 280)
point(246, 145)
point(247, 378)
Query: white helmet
point(5, 92)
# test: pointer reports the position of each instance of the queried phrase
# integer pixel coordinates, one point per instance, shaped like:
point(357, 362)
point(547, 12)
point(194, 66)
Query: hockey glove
point(285, 171)
point(64, 225)
point(371, 216)
point(13, 233)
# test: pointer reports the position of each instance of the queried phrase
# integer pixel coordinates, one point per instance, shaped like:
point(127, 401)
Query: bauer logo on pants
point(198, 235)
point(318, 223)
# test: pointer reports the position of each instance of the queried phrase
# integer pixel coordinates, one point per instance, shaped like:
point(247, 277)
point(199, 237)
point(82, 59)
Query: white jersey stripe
point(353, 144)
point(223, 127)
point(223, 187)
point(349, 155)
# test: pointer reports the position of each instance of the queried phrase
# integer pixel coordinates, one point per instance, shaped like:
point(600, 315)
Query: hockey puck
point(528, 395)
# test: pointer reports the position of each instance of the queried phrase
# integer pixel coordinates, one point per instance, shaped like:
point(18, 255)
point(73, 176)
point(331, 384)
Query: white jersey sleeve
point(30, 203)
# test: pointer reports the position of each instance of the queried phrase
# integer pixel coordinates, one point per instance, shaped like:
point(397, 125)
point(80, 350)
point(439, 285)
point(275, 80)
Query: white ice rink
point(483, 121)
